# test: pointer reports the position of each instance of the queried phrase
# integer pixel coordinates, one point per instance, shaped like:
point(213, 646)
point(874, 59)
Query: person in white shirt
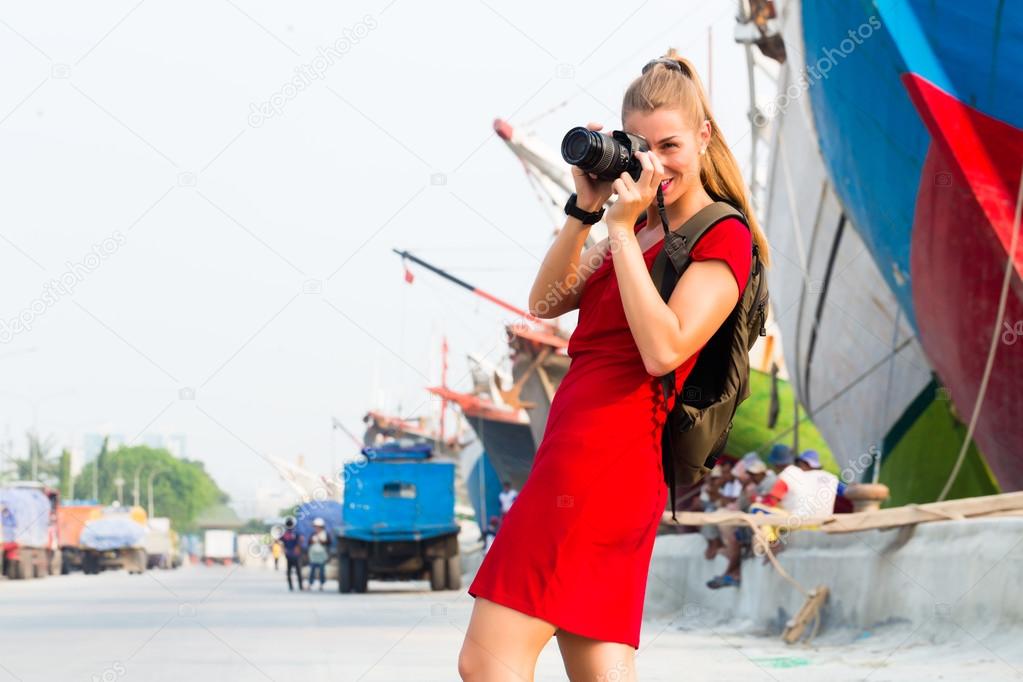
point(319, 544)
point(804, 489)
point(507, 497)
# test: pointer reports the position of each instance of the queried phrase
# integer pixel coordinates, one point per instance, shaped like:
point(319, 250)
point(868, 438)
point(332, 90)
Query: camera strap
point(662, 212)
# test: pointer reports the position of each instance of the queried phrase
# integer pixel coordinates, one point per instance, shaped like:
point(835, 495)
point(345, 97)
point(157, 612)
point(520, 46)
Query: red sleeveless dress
point(575, 547)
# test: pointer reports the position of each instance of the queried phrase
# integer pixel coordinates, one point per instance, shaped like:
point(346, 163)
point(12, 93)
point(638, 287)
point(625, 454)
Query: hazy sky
point(208, 243)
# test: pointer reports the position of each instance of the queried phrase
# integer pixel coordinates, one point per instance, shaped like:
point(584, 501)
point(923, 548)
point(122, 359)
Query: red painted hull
point(962, 234)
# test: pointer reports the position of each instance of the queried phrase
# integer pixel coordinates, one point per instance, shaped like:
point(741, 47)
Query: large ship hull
point(918, 122)
point(502, 431)
point(509, 446)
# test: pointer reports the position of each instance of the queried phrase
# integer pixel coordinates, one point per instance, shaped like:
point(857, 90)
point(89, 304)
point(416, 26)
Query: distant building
point(92, 443)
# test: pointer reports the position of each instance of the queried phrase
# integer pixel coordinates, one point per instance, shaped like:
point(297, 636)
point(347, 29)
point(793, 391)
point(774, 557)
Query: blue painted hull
point(871, 135)
point(918, 109)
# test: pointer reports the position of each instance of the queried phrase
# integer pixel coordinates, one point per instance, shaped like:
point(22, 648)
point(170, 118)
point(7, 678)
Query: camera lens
point(579, 145)
point(605, 156)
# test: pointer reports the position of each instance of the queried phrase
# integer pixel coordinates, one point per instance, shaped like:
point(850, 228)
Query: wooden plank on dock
point(1005, 504)
point(924, 513)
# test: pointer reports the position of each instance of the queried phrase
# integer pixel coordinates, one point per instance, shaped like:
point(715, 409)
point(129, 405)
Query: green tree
point(181, 488)
point(66, 481)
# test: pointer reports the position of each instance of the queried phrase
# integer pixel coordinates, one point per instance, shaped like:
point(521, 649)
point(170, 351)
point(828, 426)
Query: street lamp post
point(149, 484)
point(138, 470)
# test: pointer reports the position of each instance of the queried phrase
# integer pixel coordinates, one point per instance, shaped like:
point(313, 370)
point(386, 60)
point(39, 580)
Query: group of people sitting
point(795, 485)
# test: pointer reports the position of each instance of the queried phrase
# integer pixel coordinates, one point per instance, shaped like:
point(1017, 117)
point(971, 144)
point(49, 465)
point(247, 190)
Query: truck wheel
point(454, 572)
point(360, 578)
point(438, 573)
point(344, 573)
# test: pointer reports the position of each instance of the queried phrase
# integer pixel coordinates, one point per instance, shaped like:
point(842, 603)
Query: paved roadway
point(223, 623)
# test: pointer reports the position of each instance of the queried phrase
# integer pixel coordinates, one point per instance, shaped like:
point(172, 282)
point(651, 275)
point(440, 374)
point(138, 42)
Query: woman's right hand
point(591, 194)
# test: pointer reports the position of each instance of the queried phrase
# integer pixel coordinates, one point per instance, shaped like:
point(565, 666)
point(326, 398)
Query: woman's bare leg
point(501, 644)
point(595, 661)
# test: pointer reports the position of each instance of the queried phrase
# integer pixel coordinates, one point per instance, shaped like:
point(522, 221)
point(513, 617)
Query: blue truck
point(399, 519)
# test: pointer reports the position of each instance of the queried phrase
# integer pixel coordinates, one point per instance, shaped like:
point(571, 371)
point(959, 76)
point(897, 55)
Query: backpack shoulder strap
point(679, 243)
point(673, 259)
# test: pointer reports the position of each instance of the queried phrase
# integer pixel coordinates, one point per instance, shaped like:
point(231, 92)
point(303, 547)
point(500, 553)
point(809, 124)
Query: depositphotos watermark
point(112, 672)
point(64, 285)
point(816, 71)
point(305, 74)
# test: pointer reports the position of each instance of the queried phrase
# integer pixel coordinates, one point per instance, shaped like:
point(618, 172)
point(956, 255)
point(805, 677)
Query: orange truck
point(71, 519)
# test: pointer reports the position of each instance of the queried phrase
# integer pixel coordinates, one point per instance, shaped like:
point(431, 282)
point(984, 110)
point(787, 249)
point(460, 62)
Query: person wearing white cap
point(318, 552)
point(762, 480)
point(804, 488)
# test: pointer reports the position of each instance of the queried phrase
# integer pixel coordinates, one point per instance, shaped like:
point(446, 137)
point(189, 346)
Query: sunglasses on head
point(670, 63)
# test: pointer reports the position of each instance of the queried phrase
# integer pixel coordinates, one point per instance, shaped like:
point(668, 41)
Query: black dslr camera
point(606, 156)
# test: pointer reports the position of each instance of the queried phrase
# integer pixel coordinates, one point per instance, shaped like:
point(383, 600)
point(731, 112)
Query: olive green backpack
point(700, 421)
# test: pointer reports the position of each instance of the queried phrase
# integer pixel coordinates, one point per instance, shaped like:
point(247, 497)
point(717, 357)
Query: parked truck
point(161, 544)
point(114, 540)
point(28, 515)
point(219, 546)
point(398, 519)
point(71, 520)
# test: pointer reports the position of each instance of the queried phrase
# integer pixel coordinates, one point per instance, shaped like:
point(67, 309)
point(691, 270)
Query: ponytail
point(661, 87)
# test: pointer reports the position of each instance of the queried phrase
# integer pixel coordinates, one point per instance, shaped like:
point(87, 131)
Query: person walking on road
point(275, 551)
point(319, 545)
point(507, 498)
point(292, 543)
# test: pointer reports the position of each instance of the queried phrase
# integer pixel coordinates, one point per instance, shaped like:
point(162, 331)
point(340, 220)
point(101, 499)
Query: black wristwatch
point(585, 217)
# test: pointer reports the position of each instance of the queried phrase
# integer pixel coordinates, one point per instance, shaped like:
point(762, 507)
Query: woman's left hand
point(634, 196)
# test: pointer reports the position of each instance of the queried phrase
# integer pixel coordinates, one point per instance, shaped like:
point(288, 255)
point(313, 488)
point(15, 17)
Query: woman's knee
point(501, 643)
point(596, 660)
point(477, 661)
point(470, 667)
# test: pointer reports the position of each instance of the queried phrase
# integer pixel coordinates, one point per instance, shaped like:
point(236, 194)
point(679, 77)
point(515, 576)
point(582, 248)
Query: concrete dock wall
point(969, 572)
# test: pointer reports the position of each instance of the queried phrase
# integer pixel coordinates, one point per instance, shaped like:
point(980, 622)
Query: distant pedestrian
point(292, 542)
point(488, 537)
point(319, 544)
point(507, 497)
point(275, 550)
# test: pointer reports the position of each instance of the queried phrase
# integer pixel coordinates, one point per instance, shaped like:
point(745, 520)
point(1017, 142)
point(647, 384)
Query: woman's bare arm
point(559, 283)
point(669, 334)
point(666, 335)
point(563, 273)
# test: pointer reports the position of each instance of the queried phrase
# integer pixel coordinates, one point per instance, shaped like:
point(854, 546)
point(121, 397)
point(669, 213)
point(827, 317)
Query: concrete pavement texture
point(222, 623)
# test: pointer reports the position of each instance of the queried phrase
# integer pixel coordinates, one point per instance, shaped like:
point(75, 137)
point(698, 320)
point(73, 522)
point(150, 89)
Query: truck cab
point(399, 519)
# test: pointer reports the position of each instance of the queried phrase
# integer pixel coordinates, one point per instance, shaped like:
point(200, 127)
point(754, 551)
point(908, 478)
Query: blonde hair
point(663, 87)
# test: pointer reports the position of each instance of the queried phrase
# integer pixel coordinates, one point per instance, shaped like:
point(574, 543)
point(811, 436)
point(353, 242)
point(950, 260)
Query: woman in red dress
point(573, 553)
